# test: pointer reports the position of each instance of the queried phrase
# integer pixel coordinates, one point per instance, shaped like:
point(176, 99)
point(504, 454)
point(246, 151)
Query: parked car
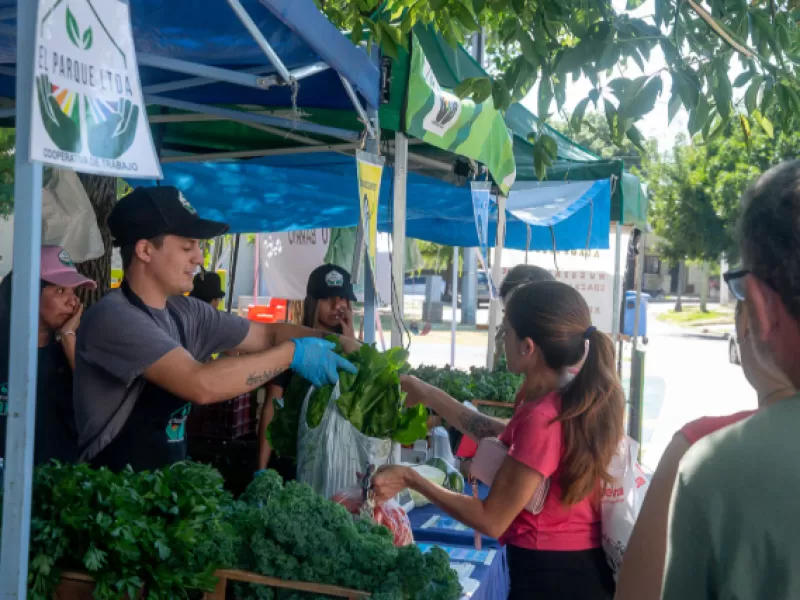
point(733, 350)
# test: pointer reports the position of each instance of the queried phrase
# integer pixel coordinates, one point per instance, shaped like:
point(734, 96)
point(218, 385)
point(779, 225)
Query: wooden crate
point(246, 577)
point(80, 586)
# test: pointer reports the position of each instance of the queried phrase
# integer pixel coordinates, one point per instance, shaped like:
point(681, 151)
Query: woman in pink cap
point(59, 317)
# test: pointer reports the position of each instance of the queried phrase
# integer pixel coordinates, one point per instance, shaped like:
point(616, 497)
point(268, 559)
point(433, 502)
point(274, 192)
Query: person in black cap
point(207, 287)
point(142, 350)
point(329, 294)
point(327, 306)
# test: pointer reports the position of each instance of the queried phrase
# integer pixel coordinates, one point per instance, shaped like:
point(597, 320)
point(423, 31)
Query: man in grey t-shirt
point(142, 350)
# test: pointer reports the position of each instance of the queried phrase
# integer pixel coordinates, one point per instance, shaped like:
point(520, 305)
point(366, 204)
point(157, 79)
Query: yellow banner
point(370, 170)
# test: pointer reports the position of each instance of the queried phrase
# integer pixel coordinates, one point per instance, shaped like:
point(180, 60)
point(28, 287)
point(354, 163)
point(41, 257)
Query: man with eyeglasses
point(734, 531)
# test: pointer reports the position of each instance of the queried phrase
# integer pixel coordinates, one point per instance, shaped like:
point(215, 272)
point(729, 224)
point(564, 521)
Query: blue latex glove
point(315, 360)
point(259, 472)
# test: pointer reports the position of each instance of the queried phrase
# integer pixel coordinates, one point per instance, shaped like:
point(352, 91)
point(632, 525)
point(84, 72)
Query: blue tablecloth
point(432, 527)
point(490, 569)
point(430, 524)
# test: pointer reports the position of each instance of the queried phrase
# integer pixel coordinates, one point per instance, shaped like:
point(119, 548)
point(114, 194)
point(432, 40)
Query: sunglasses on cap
point(735, 279)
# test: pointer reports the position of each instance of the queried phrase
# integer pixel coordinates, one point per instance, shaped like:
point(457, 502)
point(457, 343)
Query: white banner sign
point(288, 258)
point(88, 111)
point(591, 272)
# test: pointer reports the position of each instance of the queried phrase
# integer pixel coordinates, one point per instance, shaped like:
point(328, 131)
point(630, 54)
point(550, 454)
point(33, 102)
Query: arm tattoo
point(264, 377)
point(480, 425)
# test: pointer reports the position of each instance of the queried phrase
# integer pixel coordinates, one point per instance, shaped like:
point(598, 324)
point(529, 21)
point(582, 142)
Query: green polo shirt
point(735, 515)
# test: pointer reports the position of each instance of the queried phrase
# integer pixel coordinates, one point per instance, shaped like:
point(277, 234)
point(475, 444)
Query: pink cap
point(58, 269)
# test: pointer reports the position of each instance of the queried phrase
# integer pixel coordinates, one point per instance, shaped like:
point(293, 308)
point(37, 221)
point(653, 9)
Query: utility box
point(630, 314)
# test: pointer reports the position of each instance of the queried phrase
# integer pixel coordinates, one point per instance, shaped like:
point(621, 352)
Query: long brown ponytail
point(556, 318)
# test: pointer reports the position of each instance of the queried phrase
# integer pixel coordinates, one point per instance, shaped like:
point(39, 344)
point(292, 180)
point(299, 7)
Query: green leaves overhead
point(558, 42)
point(545, 151)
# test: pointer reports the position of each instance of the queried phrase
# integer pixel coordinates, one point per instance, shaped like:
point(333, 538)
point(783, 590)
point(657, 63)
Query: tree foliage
point(696, 192)
point(594, 135)
point(6, 172)
point(551, 42)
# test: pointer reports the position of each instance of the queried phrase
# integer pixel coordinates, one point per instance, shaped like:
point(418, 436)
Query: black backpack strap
point(179, 324)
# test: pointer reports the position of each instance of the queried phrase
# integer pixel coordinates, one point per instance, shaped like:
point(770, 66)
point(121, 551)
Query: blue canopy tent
point(217, 62)
point(286, 193)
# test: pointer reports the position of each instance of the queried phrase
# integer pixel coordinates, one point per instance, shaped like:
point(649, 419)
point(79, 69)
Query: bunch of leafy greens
point(370, 399)
point(282, 430)
point(476, 384)
point(166, 531)
point(292, 533)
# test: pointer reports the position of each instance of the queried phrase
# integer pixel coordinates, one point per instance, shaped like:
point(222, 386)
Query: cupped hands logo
point(60, 114)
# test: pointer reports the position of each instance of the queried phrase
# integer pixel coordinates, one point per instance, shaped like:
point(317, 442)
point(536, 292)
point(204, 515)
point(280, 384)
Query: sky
point(655, 124)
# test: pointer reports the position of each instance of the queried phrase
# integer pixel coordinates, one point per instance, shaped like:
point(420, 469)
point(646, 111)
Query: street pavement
point(687, 376)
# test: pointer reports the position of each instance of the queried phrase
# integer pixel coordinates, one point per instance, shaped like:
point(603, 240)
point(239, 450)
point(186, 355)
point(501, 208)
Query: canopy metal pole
point(18, 467)
point(232, 274)
point(399, 236)
point(615, 305)
point(259, 38)
point(638, 284)
point(454, 304)
point(497, 273)
point(370, 301)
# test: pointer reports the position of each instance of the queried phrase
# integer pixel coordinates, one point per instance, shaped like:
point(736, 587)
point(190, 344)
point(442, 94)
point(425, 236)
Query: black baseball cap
point(207, 287)
point(148, 212)
point(330, 281)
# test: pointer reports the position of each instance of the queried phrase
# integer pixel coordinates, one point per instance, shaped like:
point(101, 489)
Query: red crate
point(225, 420)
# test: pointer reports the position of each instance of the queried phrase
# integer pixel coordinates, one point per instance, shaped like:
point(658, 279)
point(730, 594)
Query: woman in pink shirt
point(566, 435)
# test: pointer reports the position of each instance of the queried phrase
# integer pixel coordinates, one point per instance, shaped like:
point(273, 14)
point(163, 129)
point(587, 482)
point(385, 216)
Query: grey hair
point(769, 232)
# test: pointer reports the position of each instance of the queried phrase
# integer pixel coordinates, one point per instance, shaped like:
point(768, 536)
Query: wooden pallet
point(80, 586)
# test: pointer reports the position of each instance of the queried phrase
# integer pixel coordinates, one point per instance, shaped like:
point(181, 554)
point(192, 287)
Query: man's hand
point(315, 360)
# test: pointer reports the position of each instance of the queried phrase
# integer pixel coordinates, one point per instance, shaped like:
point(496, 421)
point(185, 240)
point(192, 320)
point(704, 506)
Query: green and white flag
point(440, 118)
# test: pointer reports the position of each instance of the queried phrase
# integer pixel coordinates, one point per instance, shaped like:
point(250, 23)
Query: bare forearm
point(263, 336)
point(465, 509)
point(225, 379)
point(68, 346)
point(469, 422)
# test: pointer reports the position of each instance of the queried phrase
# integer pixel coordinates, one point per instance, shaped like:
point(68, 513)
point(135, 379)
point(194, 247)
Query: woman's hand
point(414, 389)
point(347, 323)
point(72, 324)
point(390, 480)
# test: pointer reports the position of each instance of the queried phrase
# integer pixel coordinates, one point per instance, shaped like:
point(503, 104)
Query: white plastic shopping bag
point(330, 455)
point(622, 502)
point(68, 219)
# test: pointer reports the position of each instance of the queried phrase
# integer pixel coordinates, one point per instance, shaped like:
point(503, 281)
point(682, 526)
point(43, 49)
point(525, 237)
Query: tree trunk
point(102, 192)
point(704, 288)
point(678, 302)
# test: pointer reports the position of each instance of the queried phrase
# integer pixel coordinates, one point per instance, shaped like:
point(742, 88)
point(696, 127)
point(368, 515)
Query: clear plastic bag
point(68, 219)
point(622, 502)
point(330, 456)
point(389, 514)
